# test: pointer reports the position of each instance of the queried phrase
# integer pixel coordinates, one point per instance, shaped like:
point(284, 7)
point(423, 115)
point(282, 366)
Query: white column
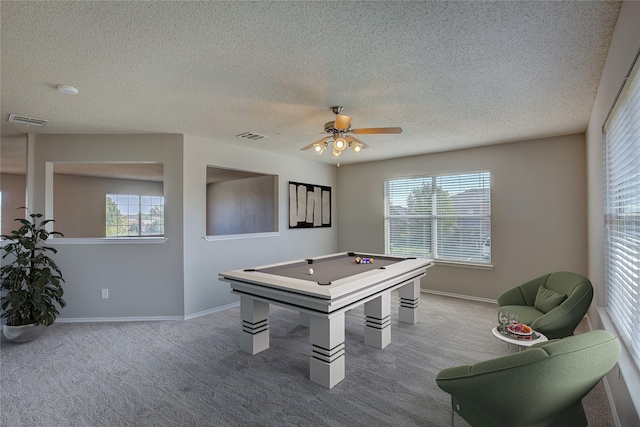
point(377, 327)
point(409, 302)
point(326, 365)
point(255, 325)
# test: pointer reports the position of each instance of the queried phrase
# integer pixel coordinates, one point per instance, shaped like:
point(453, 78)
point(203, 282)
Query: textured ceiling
point(451, 74)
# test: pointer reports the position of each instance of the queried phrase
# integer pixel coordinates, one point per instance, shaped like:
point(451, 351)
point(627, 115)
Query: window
point(622, 213)
point(446, 217)
point(134, 215)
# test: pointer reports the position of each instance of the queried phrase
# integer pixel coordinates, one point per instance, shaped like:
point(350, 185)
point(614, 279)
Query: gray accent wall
point(538, 210)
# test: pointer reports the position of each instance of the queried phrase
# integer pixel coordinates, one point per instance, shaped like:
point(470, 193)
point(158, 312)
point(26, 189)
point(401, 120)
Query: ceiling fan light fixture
point(342, 122)
point(340, 130)
point(355, 146)
point(339, 144)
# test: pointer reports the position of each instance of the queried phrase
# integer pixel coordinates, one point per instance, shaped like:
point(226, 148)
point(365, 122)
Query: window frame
point(139, 215)
point(621, 147)
point(433, 250)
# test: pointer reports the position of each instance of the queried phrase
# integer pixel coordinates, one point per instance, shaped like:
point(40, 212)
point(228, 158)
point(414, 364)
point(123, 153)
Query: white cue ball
point(311, 271)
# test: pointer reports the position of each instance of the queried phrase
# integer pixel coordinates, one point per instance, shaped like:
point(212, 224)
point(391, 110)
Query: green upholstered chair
point(553, 304)
point(541, 386)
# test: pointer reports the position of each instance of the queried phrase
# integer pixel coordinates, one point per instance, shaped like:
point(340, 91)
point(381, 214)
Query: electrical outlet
point(105, 293)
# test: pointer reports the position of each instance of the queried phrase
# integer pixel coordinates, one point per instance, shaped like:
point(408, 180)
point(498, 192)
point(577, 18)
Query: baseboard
point(627, 369)
point(222, 308)
point(211, 310)
point(447, 294)
point(117, 319)
point(146, 318)
point(614, 413)
point(607, 388)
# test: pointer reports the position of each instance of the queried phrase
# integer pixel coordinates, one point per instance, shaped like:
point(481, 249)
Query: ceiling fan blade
point(369, 131)
point(354, 139)
point(314, 143)
point(342, 122)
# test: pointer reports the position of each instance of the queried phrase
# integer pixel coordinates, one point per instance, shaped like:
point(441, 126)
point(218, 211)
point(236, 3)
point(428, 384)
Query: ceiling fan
point(339, 130)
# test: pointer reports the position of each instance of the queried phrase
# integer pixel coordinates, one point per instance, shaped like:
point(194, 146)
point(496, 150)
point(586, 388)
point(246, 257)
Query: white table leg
point(409, 302)
point(326, 366)
point(377, 326)
point(255, 325)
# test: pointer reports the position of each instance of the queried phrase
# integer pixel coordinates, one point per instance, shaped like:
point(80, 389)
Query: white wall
point(143, 280)
point(203, 260)
point(625, 45)
point(180, 276)
point(538, 210)
point(14, 196)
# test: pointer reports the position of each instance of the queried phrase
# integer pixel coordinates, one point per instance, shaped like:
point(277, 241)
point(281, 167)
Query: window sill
point(460, 264)
point(105, 240)
point(240, 236)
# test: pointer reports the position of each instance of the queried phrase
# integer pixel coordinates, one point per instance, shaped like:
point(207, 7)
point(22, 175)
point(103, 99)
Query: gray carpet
point(192, 373)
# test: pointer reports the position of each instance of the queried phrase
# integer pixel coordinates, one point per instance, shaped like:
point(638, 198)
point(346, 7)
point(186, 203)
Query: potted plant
point(31, 281)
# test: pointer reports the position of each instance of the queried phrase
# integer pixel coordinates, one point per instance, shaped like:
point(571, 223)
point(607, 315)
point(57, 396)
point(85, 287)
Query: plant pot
point(22, 333)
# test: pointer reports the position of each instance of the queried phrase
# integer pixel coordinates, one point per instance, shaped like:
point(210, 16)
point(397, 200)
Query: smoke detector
point(67, 90)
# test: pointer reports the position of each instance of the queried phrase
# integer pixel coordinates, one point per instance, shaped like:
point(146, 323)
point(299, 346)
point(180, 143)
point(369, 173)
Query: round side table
point(519, 341)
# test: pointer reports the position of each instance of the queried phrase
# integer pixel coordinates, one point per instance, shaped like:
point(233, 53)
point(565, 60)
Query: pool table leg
point(326, 364)
point(377, 326)
point(304, 319)
point(255, 325)
point(409, 302)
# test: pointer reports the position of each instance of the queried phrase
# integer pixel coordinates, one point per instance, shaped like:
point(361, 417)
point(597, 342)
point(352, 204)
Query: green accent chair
point(541, 386)
point(553, 304)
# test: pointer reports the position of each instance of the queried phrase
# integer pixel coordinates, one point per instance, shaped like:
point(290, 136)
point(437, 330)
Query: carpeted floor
point(192, 373)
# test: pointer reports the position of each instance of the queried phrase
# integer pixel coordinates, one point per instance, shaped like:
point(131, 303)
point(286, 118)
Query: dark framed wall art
point(309, 205)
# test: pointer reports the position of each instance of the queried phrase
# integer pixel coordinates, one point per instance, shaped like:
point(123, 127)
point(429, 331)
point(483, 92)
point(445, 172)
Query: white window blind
point(445, 217)
point(622, 213)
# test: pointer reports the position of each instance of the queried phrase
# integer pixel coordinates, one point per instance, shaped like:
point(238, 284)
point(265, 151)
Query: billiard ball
point(311, 271)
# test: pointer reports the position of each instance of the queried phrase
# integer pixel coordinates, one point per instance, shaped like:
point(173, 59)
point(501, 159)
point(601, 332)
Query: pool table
point(323, 289)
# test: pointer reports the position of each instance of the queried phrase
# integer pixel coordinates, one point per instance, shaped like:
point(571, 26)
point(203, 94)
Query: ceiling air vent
point(29, 121)
point(251, 136)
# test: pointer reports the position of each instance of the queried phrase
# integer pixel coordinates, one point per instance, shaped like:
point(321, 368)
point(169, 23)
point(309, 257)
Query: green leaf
point(30, 279)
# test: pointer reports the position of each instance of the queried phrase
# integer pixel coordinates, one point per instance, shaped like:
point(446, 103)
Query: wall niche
point(241, 202)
